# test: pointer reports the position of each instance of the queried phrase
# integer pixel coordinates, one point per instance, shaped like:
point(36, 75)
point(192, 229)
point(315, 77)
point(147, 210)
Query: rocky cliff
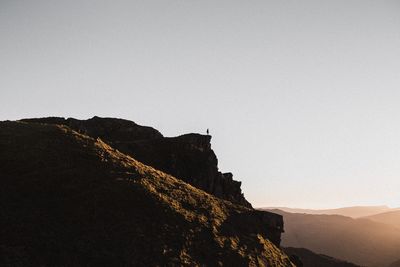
point(71, 200)
point(188, 157)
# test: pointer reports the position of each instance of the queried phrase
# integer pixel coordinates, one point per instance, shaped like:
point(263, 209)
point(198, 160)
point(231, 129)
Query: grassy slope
point(69, 200)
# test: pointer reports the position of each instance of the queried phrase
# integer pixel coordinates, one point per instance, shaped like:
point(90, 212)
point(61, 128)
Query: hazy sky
point(302, 98)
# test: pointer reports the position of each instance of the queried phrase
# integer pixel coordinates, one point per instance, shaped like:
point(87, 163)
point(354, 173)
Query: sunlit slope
point(69, 200)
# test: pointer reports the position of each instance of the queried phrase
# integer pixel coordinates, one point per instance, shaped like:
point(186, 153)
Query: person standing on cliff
point(208, 132)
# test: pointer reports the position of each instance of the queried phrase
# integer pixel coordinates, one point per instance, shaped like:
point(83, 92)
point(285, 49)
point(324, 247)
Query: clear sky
point(302, 98)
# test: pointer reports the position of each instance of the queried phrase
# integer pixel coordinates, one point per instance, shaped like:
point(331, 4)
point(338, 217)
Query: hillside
point(392, 218)
point(71, 200)
point(353, 212)
point(311, 259)
point(360, 241)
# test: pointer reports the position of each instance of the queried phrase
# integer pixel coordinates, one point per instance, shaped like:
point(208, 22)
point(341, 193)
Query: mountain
point(67, 199)
point(353, 212)
point(360, 241)
point(188, 157)
point(391, 217)
point(311, 259)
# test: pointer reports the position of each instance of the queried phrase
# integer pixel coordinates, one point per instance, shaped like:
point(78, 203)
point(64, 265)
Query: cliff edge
point(188, 157)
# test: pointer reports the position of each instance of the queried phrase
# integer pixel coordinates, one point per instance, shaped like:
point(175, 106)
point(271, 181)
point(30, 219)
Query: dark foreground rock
point(69, 200)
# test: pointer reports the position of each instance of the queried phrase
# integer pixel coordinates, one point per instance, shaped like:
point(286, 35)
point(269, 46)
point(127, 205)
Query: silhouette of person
point(208, 132)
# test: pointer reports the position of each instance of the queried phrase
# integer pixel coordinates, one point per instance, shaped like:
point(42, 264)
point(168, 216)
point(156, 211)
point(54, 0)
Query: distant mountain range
point(353, 212)
point(363, 241)
point(391, 217)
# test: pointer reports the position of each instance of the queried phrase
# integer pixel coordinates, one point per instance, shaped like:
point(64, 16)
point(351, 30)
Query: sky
point(302, 98)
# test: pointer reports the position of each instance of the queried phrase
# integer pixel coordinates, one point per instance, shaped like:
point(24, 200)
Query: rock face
point(188, 157)
point(70, 200)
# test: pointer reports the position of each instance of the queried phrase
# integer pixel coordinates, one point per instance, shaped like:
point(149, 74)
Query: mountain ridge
point(390, 217)
point(352, 211)
point(188, 157)
point(360, 241)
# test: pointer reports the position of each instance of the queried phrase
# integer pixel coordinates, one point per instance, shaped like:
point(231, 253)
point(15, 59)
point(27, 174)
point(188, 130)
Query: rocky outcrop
point(188, 157)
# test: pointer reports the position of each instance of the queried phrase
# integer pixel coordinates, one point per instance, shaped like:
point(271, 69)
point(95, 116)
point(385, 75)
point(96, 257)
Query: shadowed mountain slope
point(311, 259)
point(395, 264)
point(360, 241)
point(188, 157)
point(69, 200)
